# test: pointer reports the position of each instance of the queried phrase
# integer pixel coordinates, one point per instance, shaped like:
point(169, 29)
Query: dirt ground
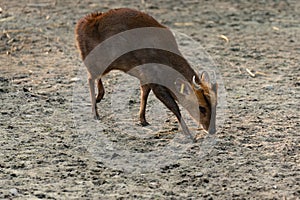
point(50, 150)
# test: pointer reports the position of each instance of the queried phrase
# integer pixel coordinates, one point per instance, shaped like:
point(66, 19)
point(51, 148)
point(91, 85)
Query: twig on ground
point(250, 73)
point(261, 73)
point(7, 19)
point(224, 38)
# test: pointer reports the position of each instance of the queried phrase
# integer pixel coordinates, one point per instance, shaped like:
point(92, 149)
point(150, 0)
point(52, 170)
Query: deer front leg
point(165, 96)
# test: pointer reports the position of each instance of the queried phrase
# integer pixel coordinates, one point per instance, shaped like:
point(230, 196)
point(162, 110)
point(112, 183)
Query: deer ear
point(183, 87)
point(204, 77)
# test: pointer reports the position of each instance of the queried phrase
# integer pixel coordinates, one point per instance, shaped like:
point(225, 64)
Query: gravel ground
point(50, 149)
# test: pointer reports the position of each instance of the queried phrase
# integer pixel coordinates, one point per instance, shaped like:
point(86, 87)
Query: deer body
point(155, 45)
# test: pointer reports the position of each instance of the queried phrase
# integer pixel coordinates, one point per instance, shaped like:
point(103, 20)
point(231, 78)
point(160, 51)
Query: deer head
point(206, 93)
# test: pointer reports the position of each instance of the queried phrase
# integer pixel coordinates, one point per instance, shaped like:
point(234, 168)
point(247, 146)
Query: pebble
point(268, 87)
point(75, 79)
point(199, 174)
point(14, 191)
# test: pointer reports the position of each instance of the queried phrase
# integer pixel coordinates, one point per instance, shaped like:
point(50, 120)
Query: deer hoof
point(144, 123)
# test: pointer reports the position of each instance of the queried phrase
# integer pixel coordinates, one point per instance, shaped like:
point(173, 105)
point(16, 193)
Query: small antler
point(197, 86)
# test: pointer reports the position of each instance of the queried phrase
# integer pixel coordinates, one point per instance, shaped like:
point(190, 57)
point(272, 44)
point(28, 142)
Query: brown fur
point(97, 27)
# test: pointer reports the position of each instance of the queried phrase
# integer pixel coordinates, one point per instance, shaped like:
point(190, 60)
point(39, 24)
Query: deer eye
point(202, 109)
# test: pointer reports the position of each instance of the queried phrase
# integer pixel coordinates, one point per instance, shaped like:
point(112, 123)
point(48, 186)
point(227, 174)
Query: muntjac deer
point(135, 43)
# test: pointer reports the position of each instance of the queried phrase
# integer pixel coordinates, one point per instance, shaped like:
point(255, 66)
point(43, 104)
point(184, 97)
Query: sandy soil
point(50, 149)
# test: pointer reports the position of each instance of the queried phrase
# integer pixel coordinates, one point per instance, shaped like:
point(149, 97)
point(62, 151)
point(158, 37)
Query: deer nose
point(212, 127)
point(212, 131)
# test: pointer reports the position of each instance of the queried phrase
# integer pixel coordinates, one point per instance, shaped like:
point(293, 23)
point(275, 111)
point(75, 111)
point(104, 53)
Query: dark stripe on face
point(207, 101)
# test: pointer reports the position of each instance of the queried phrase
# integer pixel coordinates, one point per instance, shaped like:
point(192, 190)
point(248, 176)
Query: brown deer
point(135, 43)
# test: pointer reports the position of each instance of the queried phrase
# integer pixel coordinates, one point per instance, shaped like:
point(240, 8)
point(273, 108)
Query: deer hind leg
point(93, 97)
point(164, 95)
point(145, 90)
point(101, 91)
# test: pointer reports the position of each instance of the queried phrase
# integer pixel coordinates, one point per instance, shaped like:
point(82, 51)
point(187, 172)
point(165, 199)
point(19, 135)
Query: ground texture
point(256, 154)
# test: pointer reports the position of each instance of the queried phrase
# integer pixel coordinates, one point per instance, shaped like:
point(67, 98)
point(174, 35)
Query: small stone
point(199, 174)
point(14, 191)
point(75, 79)
point(268, 87)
